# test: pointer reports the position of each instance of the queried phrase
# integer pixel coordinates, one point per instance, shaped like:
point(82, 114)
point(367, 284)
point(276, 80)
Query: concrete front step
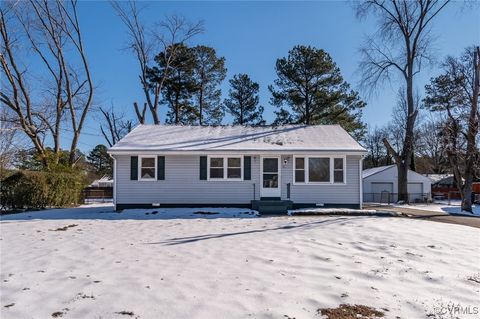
point(272, 206)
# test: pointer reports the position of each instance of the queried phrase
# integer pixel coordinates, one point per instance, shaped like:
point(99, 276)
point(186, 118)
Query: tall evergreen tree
point(179, 85)
point(100, 161)
point(310, 89)
point(242, 101)
point(208, 72)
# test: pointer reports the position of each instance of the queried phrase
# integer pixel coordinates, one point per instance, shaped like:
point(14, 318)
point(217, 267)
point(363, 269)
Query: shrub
point(41, 189)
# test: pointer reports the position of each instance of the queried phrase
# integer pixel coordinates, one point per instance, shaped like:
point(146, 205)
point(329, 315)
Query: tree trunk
point(413, 164)
point(200, 102)
point(307, 109)
point(402, 182)
point(406, 156)
point(471, 136)
point(241, 114)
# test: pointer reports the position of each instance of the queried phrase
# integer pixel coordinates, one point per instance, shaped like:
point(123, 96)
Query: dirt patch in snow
point(125, 313)
point(205, 213)
point(64, 228)
point(345, 311)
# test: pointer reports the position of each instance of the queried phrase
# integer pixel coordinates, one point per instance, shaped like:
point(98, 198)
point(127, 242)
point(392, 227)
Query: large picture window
point(316, 169)
point(225, 167)
point(319, 169)
point(147, 168)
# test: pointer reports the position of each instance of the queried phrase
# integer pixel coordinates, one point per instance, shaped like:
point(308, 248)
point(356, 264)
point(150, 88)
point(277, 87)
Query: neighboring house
point(444, 186)
point(99, 190)
point(105, 181)
point(380, 184)
point(267, 168)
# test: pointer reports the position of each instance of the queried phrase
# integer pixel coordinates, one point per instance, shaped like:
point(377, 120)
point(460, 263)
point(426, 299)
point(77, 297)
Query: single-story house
point(267, 168)
point(380, 184)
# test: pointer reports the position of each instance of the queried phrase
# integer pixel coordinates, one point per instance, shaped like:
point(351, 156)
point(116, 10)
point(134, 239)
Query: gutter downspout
point(360, 174)
point(114, 182)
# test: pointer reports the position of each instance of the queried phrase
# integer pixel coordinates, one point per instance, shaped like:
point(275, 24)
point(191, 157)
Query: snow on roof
point(434, 178)
point(237, 138)
point(371, 171)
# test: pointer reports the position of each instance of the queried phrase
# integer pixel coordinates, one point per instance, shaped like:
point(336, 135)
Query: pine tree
point(179, 84)
point(208, 72)
point(242, 102)
point(310, 89)
point(100, 161)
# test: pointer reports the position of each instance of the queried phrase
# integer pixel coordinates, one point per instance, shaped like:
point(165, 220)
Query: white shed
point(380, 185)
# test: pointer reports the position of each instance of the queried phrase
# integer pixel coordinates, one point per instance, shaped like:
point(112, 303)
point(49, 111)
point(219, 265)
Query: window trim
point(140, 178)
point(306, 167)
point(225, 168)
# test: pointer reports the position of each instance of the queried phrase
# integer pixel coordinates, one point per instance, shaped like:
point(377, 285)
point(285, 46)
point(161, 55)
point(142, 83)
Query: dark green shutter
point(134, 168)
point(161, 168)
point(203, 167)
point(247, 168)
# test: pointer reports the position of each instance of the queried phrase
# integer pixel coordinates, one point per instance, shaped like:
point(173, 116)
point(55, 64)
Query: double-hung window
point(234, 167)
point(225, 168)
point(300, 169)
point(338, 170)
point(148, 168)
point(216, 167)
point(319, 169)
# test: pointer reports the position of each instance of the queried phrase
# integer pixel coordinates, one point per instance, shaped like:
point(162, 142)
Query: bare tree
point(8, 134)
point(49, 31)
point(114, 126)
point(430, 145)
point(377, 153)
point(402, 46)
point(455, 93)
point(145, 42)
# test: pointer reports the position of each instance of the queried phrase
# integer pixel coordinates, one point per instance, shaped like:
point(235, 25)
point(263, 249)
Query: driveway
point(472, 221)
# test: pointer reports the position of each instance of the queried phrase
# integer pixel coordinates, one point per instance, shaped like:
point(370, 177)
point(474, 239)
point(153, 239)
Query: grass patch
point(345, 311)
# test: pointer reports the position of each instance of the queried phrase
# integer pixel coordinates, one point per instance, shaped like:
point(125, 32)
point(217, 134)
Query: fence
point(97, 194)
point(390, 198)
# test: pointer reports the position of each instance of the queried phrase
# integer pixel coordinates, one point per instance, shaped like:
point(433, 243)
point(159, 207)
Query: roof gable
point(375, 170)
point(237, 138)
point(381, 169)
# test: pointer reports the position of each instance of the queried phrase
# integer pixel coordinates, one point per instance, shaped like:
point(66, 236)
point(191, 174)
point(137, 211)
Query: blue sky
point(251, 36)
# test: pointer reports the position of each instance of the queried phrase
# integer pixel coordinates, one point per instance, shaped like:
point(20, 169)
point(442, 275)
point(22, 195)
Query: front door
point(270, 171)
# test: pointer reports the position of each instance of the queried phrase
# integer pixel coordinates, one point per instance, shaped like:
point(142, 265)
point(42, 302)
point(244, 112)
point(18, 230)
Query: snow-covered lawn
point(111, 265)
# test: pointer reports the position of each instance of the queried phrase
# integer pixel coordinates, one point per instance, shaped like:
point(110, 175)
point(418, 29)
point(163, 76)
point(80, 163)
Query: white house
point(267, 168)
point(380, 184)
